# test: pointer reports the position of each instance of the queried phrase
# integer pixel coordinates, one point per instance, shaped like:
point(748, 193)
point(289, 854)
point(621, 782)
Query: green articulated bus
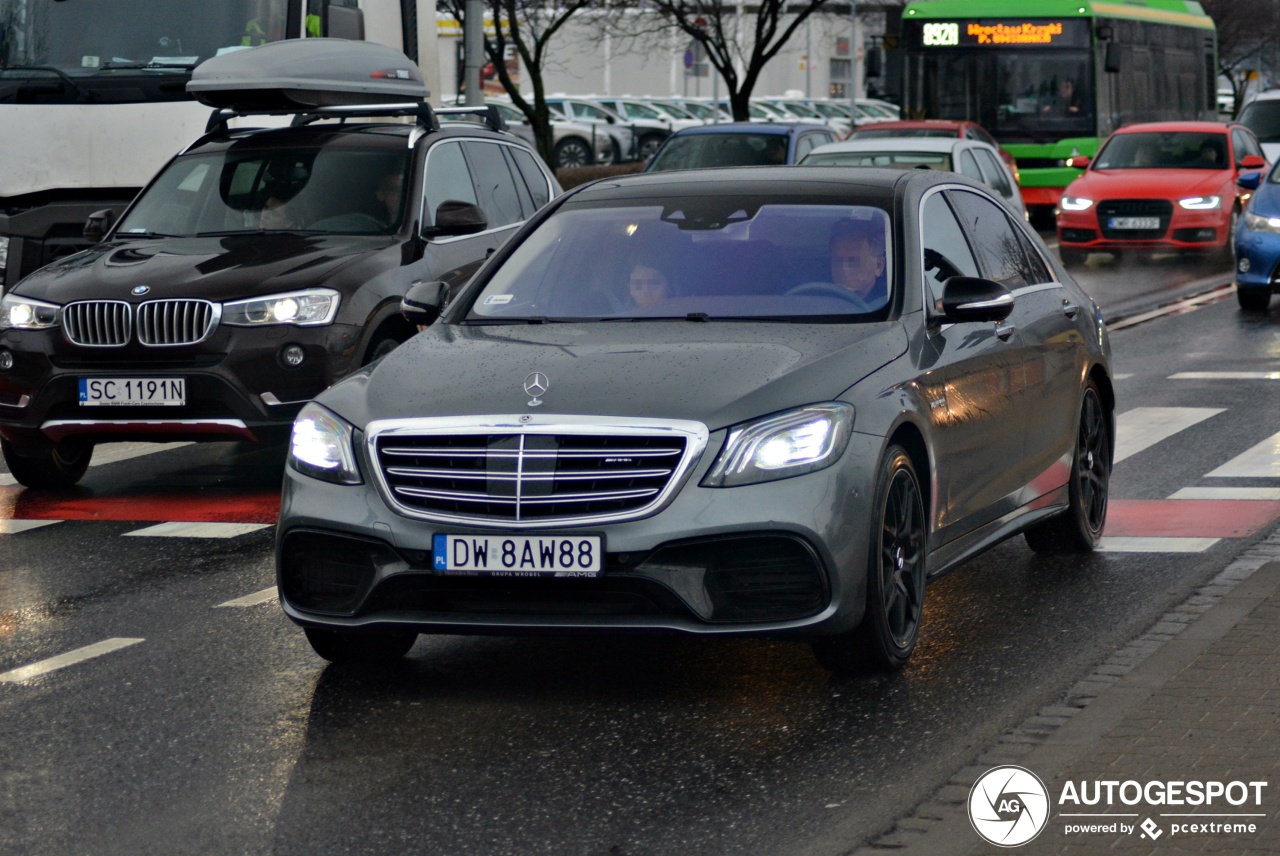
point(1050, 79)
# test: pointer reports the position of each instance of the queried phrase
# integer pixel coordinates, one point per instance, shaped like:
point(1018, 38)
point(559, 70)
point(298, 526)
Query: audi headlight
point(321, 446)
point(21, 313)
point(1074, 203)
point(1258, 223)
point(1201, 203)
point(784, 445)
point(309, 308)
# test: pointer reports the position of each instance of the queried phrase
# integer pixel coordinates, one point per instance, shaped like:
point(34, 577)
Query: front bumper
point(237, 385)
point(1257, 258)
point(1186, 230)
point(785, 557)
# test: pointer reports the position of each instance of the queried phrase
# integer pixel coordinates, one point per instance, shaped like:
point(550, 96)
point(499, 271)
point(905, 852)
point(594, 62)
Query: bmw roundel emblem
point(140, 290)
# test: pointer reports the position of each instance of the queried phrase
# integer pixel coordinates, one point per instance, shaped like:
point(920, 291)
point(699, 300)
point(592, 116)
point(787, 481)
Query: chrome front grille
point(529, 476)
point(175, 322)
point(97, 323)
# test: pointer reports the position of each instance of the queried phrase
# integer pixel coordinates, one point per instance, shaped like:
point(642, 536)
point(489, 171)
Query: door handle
point(1004, 331)
point(1069, 309)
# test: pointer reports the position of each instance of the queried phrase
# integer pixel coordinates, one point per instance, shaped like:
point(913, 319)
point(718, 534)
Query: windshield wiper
point(176, 66)
point(57, 72)
point(147, 234)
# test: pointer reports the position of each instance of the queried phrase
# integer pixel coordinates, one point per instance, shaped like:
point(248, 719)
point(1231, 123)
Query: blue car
point(739, 144)
point(1257, 242)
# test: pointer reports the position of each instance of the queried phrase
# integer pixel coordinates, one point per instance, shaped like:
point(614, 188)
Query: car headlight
point(320, 446)
point(309, 308)
point(1074, 203)
point(1258, 223)
point(21, 313)
point(784, 445)
point(1201, 203)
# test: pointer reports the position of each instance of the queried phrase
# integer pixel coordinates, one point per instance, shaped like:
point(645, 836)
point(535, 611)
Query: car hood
point(717, 373)
point(1266, 200)
point(1150, 183)
point(222, 268)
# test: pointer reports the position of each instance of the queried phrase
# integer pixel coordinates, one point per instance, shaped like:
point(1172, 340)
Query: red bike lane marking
point(1189, 518)
point(205, 506)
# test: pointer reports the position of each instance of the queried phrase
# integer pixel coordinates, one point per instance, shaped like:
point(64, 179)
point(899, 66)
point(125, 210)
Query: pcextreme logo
point(1009, 806)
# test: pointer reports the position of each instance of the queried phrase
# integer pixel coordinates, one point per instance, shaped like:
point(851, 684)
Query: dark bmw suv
point(256, 269)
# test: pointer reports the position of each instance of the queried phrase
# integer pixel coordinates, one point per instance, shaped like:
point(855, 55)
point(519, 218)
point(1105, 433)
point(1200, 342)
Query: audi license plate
point(1133, 223)
point(518, 555)
point(133, 391)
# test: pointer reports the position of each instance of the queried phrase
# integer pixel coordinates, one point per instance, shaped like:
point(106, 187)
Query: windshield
point(695, 259)
point(317, 190)
point(897, 159)
point(1263, 118)
point(84, 38)
point(701, 151)
point(1167, 150)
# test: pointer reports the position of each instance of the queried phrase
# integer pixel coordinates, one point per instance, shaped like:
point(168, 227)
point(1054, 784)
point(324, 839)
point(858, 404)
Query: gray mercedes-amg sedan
point(749, 401)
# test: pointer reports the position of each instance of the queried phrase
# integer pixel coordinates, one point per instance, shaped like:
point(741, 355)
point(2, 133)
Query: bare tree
point(529, 27)
point(1247, 32)
point(738, 39)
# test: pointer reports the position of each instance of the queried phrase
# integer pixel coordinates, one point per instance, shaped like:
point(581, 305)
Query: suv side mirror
point(424, 302)
point(457, 218)
point(1252, 162)
point(1249, 181)
point(98, 224)
point(970, 298)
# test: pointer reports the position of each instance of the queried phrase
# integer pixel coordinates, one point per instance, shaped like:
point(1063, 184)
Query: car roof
point(837, 182)
point(914, 124)
point(394, 134)
point(911, 144)
point(776, 128)
point(1268, 95)
point(1165, 127)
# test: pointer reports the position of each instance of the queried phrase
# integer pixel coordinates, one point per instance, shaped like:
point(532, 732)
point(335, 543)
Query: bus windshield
point(57, 39)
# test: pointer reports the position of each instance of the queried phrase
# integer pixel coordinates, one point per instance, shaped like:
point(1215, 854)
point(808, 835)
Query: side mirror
point(608, 117)
point(1252, 162)
point(969, 298)
point(424, 302)
point(1079, 161)
point(457, 218)
point(98, 224)
point(1249, 181)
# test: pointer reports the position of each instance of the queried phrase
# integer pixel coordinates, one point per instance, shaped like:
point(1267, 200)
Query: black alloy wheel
point(1079, 528)
point(649, 144)
point(54, 468)
point(379, 348)
point(360, 646)
point(571, 152)
point(890, 627)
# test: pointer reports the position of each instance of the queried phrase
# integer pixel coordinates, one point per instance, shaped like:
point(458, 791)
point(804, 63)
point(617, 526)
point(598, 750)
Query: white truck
point(93, 96)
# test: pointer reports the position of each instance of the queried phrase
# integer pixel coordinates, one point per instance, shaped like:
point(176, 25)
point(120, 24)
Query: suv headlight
point(320, 446)
point(1258, 223)
point(783, 445)
point(21, 313)
point(309, 308)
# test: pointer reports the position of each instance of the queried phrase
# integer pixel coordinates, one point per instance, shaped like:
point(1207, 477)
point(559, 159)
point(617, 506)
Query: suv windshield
point(697, 259)
point(321, 190)
point(701, 151)
point(1164, 150)
point(1263, 118)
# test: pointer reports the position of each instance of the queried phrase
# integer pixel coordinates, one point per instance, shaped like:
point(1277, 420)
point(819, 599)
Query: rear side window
point(448, 179)
point(1001, 254)
point(995, 175)
point(969, 166)
point(534, 178)
point(495, 186)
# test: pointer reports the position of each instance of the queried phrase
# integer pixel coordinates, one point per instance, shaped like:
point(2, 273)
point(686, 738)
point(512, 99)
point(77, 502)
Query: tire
point(1227, 252)
point(1072, 258)
point(890, 627)
point(573, 151)
point(363, 646)
point(53, 468)
point(1253, 299)
point(649, 144)
point(379, 348)
point(1079, 527)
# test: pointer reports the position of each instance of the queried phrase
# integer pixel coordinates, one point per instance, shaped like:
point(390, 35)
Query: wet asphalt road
point(221, 732)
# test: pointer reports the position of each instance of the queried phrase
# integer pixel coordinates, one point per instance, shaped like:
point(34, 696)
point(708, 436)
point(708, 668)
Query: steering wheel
point(827, 289)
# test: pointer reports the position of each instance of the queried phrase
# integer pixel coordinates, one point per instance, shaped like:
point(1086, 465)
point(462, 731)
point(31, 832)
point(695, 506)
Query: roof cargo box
point(302, 74)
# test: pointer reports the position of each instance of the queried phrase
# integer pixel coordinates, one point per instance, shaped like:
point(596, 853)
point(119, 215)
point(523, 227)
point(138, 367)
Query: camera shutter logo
point(1008, 806)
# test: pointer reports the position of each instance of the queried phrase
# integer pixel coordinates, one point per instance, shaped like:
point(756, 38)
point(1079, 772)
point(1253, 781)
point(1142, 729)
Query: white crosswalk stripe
point(1143, 544)
point(13, 527)
point(1261, 461)
point(44, 667)
point(197, 530)
point(1225, 376)
point(1259, 493)
point(257, 598)
point(1143, 427)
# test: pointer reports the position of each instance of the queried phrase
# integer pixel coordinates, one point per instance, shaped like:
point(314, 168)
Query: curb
point(1057, 733)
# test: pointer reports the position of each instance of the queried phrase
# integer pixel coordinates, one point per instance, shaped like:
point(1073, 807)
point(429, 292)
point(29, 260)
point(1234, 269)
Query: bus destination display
point(1006, 33)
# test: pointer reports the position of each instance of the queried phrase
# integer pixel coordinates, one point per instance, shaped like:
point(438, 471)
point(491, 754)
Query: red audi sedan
point(1159, 186)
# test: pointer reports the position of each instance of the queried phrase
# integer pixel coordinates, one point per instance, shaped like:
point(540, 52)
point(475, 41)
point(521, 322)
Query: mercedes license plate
point(133, 391)
point(1134, 223)
point(518, 555)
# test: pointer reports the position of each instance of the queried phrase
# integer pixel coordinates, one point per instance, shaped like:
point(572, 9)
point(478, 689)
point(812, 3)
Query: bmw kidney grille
point(158, 323)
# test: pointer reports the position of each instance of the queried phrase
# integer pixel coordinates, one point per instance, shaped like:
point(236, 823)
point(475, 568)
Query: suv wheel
point(52, 468)
point(572, 151)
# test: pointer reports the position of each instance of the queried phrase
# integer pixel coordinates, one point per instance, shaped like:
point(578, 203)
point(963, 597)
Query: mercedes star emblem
point(536, 384)
point(140, 290)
